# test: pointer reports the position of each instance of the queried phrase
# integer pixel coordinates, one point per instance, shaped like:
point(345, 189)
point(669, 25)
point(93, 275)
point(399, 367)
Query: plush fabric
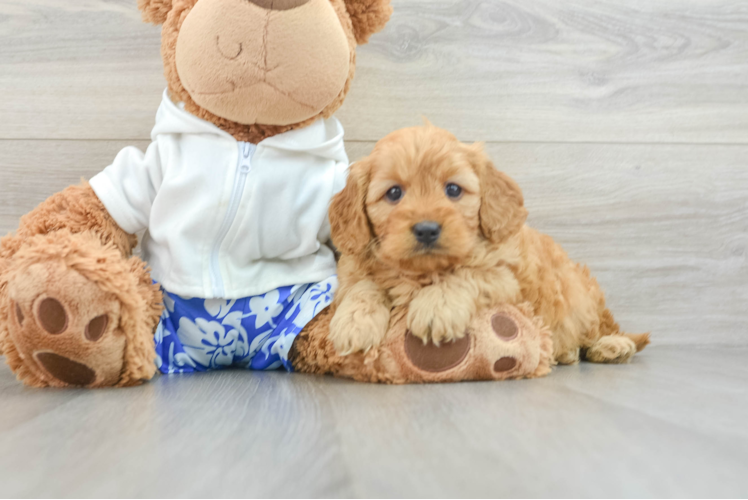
point(85, 280)
point(75, 308)
point(261, 67)
point(255, 132)
point(485, 353)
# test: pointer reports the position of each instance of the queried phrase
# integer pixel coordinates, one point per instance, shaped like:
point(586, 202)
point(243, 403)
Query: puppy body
point(475, 253)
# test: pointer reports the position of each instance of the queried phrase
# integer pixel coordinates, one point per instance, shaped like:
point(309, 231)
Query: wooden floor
point(672, 424)
point(626, 124)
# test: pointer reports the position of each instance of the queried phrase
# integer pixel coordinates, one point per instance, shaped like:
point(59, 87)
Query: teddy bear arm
point(77, 209)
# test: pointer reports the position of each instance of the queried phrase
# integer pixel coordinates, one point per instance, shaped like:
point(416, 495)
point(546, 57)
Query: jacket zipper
point(244, 165)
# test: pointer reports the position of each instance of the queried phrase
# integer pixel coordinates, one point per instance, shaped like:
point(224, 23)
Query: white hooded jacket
point(228, 219)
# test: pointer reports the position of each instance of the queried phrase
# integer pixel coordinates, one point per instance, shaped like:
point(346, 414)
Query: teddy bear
point(233, 195)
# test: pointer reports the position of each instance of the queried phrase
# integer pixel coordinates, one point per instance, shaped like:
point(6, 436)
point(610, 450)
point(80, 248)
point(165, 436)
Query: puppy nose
point(427, 232)
point(279, 4)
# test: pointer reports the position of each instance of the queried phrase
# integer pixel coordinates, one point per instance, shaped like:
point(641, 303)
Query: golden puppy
point(428, 222)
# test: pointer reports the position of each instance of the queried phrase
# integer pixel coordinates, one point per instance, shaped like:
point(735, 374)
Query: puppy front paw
point(358, 327)
point(431, 316)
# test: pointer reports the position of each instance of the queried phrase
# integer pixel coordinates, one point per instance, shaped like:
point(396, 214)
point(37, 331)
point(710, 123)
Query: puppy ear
point(368, 17)
point(154, 11)
point(348, 221)
point(502, 210)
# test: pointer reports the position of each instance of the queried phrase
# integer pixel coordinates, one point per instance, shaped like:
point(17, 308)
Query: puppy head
point(422, 201)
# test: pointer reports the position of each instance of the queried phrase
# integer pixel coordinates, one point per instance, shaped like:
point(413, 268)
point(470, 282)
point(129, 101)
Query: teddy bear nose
point(279, 4)
point(427, 232)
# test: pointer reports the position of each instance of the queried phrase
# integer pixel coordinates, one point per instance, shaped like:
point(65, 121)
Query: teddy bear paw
point(64, 328)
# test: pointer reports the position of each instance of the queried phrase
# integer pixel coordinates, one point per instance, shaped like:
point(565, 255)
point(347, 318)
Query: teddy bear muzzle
point(270, 62)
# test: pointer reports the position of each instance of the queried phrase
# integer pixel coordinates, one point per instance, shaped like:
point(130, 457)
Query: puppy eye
point(453, 191)
point(394, 194)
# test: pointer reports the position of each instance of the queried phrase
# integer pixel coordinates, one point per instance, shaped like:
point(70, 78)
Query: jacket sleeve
point(128, 187)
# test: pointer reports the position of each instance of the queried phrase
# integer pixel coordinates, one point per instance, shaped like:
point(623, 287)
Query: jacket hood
point(323, 138)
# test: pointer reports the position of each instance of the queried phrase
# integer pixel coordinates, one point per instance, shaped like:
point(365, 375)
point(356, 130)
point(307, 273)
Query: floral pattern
point(255, 333)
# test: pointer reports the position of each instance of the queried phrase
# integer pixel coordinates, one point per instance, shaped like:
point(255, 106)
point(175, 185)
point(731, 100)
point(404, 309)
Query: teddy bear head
point(257, 68)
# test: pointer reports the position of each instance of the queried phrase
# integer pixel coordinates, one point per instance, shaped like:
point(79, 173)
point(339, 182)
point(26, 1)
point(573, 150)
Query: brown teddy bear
point(233, 192)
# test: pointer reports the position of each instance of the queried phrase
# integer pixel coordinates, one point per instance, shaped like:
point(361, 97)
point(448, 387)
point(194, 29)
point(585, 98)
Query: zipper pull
point(246, 163)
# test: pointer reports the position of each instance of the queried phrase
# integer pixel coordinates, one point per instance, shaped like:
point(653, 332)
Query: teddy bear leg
point(75, 312)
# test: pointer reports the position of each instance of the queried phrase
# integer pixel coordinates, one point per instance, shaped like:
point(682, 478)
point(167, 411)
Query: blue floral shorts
point(256, 333)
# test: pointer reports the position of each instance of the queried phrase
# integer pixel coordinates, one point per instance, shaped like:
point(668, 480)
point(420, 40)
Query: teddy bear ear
point(154, 11)
point(368, 17)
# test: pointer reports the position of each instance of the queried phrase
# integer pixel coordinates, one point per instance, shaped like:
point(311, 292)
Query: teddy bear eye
point(453, 191)
point(394, 194)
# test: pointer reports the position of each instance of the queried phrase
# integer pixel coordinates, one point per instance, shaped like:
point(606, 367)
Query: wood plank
point(87, 69)
point(31, 171)
point(671, 424)
point(587, 70)
point(229, 434)
point(583, 70)
point(541, 438)
point(663, 227)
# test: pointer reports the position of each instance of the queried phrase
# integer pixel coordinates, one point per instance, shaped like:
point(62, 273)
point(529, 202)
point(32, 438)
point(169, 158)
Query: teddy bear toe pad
point(504, 326)
point(52, 316)
point(432, 358)
point(65, 370)
point(505, 364)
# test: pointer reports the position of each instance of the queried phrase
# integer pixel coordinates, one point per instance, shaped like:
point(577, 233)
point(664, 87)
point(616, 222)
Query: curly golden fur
point(485, 255)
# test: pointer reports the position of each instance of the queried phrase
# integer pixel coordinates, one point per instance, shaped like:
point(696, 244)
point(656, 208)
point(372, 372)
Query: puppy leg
point(570, 357)
point(361, 320)
point(610, 345)
point(611, 349)
point(441, 312)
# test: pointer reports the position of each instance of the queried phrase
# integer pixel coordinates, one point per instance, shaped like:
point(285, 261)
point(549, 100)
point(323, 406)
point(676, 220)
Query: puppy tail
point(608, 326)
point(640, 339)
